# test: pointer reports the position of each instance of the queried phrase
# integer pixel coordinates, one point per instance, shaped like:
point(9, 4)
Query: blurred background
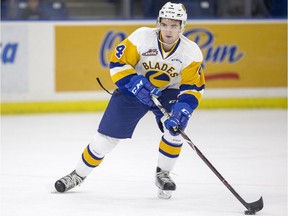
point(52, 51)
point(144, 9)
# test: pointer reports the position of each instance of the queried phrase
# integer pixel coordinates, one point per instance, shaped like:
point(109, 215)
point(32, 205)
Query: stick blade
point(256, 206)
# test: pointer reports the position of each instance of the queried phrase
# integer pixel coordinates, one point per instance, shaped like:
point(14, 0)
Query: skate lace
point(164, 176)
point(72, 180)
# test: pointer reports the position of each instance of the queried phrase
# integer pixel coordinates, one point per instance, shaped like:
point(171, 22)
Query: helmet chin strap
point(167, 44)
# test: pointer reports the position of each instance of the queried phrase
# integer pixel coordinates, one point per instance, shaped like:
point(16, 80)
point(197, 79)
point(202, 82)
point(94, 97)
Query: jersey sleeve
point(123, 60)
point(192, 84)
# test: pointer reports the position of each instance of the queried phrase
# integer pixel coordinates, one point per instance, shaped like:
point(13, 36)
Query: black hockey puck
point(249, 212)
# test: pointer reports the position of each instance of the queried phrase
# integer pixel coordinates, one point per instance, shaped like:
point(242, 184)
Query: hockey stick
point(253, 207)
point(99, 82)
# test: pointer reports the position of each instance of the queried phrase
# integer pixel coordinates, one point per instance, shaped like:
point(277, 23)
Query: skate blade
point(164, 194)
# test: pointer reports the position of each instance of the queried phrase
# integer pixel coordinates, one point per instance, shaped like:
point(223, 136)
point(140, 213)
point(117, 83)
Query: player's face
point(170, 30)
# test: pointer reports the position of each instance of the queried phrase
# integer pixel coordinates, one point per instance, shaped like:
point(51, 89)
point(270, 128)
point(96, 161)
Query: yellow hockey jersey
point(142, 53)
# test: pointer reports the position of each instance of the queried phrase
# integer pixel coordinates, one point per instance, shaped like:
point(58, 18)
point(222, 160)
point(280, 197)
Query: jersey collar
point(161, 48)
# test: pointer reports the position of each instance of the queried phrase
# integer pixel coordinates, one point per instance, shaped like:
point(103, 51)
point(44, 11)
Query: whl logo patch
point(150, 52)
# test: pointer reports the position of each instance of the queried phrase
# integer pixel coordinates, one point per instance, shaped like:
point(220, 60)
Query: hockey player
point(158, 61)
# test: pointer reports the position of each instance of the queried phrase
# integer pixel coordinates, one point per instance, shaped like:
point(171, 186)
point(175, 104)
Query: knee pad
point(102, 144)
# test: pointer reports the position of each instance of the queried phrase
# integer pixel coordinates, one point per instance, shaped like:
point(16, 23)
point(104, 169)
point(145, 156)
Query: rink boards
point(52, 66)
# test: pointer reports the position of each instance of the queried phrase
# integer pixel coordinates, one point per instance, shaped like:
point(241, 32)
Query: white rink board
point(40, 75)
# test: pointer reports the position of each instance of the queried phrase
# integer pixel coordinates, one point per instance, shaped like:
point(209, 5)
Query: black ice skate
point(68, 182)
point(165, 184)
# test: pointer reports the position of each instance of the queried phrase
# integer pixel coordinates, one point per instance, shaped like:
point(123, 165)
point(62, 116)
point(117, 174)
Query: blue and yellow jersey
point(142, 54)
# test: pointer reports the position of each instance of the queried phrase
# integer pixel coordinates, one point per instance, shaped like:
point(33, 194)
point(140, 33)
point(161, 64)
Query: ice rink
point(248, 147)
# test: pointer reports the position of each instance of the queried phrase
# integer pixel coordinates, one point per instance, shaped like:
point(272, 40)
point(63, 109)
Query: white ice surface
point(248, 147)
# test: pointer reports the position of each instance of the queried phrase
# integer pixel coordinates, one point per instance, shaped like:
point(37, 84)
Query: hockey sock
point(94, 153)
point(169, 150)
point(88, 162)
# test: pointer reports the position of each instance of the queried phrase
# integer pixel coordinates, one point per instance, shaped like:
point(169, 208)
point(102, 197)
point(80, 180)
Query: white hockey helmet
point(173, 11)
